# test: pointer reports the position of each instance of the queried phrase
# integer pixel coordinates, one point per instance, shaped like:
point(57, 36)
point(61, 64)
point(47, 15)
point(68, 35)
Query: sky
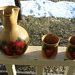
point(45, 8)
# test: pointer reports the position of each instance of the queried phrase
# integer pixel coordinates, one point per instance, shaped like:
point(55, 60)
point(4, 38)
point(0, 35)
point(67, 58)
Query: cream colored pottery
point(14, 39)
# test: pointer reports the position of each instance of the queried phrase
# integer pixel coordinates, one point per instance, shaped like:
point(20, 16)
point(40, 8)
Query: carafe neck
point(9, 23)
point(9, 17)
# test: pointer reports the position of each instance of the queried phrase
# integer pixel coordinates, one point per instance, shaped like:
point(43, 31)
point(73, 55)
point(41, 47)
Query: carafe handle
point(1, 13)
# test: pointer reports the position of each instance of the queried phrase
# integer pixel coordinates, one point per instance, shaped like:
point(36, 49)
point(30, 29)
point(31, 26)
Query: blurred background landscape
point(41, 17)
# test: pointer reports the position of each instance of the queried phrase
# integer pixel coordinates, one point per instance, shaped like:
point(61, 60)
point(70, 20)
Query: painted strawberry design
point(20, 44)
point(7, 51)
point(49, 53)
point(11, 43)
point(17, 47)
point(12, 48)
point(72, 54)
point(19, 52)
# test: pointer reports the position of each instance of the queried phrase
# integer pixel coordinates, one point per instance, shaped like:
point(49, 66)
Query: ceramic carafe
point(14, 39)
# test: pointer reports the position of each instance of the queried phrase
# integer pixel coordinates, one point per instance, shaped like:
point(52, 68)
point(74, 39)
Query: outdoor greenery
point(37, 27)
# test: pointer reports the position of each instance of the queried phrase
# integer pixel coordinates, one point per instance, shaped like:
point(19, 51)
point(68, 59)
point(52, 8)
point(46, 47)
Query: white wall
point(6, 2)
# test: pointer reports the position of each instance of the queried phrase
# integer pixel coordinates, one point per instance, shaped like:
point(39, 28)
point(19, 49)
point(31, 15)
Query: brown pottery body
point(50, 45)
point(70, 52)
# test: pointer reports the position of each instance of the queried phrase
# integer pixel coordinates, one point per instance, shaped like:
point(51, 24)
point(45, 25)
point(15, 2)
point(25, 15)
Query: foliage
point(37, 27)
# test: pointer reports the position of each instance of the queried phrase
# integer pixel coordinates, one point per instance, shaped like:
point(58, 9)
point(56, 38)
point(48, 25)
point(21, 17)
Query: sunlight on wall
point(6, 2)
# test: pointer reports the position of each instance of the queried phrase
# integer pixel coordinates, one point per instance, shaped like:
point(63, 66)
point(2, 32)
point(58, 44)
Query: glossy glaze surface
point(14, 39)
point(50, 45)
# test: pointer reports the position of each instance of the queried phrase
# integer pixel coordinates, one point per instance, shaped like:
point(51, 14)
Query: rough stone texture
point(37, 27)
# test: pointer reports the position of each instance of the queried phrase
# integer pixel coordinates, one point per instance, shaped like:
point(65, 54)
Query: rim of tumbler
point(55, 44)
